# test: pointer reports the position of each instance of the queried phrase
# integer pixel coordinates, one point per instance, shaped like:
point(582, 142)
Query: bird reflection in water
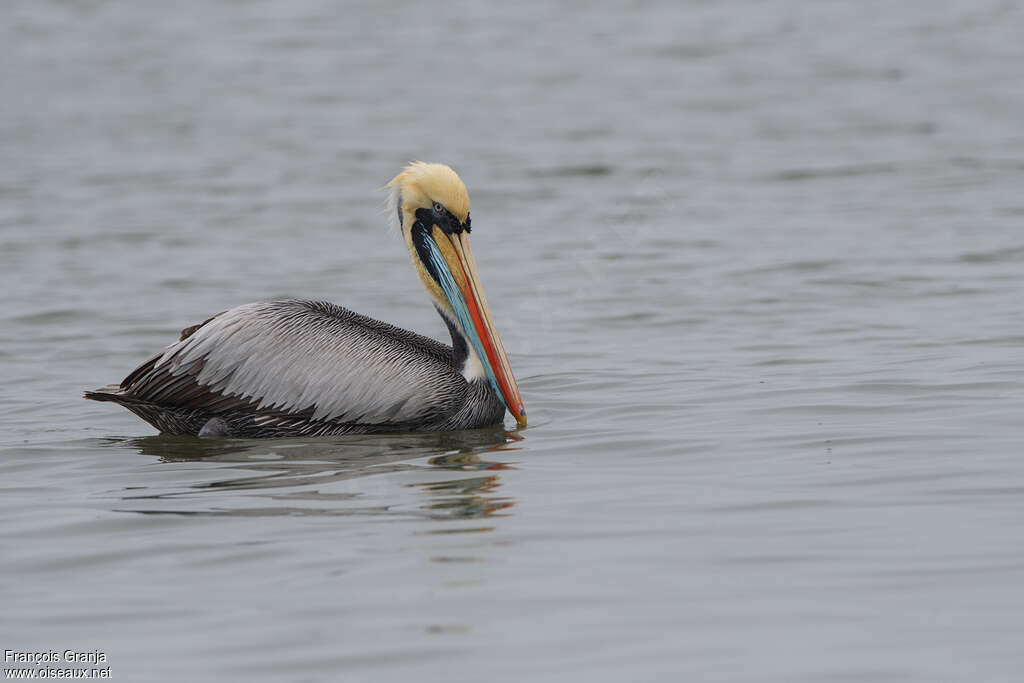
point(297, 475)
point(465, 498)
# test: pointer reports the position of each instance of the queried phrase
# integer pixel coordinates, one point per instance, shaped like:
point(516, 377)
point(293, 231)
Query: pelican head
point(431, 206)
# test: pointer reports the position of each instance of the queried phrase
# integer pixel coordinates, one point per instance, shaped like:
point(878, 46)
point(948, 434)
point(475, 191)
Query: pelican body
point(311, 368)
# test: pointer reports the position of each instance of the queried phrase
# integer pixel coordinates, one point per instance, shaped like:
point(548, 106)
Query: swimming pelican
point(297, 367)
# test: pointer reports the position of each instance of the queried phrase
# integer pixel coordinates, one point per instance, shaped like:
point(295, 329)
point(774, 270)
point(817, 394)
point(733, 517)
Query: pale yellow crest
point(421, 184)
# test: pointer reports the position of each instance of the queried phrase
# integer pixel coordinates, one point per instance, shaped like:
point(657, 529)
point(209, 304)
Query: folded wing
point(303, 358)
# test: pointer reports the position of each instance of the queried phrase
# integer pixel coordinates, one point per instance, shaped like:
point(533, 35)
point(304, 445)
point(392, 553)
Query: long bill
point(481, 332)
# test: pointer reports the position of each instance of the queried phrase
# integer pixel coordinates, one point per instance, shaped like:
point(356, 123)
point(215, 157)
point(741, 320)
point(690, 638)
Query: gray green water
point(758, 266)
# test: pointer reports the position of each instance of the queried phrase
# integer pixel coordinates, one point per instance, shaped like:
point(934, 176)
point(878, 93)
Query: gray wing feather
point(313, 358)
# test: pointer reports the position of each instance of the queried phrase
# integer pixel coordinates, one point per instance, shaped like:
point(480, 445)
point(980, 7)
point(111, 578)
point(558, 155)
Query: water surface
point(757, 266)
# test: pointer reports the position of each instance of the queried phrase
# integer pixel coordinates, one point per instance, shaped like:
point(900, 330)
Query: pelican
point(311, 368)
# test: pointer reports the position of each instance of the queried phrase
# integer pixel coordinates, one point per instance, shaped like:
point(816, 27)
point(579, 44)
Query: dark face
point(439, 216)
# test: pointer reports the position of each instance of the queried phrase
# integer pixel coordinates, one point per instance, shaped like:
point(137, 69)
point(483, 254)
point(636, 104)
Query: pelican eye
point(439, 209)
